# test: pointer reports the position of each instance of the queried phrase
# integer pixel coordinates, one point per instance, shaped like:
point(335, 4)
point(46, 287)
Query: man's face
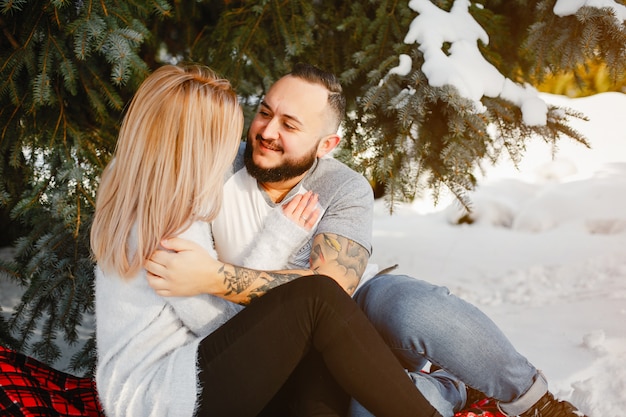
point(285, 135)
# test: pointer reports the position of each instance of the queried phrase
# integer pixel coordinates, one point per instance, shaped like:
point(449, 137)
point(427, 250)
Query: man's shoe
point(473, 396)
point(548, 406)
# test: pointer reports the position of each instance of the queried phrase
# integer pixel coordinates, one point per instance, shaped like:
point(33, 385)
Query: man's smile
point(269, 144)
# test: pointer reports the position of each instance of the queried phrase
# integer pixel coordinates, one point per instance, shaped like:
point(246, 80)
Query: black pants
point(261, 355)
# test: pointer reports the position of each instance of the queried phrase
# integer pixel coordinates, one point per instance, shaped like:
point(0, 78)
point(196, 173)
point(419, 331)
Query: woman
point(202, 355)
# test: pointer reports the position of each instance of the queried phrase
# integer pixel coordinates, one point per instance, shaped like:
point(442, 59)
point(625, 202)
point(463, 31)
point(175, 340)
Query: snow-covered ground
point(545, 257)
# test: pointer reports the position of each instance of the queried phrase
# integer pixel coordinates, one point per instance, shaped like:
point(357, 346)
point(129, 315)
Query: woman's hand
point(303, 210)
point(183, 268)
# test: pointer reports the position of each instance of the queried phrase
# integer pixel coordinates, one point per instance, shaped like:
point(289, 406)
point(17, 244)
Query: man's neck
point(277, 191)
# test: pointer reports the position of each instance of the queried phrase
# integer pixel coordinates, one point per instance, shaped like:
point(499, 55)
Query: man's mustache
point(269, 143)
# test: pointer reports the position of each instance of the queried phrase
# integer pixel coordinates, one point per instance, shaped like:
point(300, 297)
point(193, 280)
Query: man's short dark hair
point(315, 75)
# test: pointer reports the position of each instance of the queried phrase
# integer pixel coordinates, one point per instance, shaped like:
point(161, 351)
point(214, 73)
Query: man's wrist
point(213, 282)
point(231, 283)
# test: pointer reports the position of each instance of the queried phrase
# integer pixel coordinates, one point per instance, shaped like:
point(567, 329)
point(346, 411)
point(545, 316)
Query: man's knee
point(399, 293)
point(406, 310)
point(396, 305)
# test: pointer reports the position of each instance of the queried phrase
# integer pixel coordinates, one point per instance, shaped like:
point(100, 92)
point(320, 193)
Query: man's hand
point(184, 269)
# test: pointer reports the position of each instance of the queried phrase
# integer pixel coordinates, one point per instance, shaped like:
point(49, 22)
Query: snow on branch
point(570, 7)
point(449, 43)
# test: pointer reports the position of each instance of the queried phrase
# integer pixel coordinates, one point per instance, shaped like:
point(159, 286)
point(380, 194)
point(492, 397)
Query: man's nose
point(270, 130)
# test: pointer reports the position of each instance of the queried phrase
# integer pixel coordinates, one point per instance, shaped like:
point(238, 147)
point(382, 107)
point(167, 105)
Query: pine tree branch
point(8, 34)
point(254, 28)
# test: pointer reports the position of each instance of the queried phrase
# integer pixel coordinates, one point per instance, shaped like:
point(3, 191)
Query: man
point(284, 158)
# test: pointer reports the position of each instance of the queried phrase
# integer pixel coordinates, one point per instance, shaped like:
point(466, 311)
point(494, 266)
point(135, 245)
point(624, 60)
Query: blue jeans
point(424, 323)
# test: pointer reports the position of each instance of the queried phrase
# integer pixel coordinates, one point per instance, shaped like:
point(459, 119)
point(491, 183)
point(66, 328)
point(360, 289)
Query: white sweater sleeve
point(204, 313)
point(276, 242)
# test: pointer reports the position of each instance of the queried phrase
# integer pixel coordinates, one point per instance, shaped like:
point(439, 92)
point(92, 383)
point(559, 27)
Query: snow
point(545, 257)
point(570, 7)
point(404, 67)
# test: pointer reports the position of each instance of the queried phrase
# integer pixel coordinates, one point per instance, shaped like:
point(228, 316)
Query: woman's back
point(147, 343)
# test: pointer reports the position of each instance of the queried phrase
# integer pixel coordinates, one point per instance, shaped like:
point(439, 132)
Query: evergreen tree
point(66, 72)
point(67, 69)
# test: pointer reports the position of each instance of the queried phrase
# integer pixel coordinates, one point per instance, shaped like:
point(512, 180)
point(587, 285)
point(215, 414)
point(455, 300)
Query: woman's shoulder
point(200, 232)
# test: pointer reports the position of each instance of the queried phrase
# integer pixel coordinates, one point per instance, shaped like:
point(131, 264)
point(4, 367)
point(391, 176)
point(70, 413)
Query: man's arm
point(191, 270)
point(332, 255)
point(340, 258)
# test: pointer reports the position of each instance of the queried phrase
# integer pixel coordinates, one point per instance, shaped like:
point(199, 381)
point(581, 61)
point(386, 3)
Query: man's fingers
point(158, 257)
point(155, 267)
point(165, 257)
point(163, 293)
point(157, 283)
point(177, 244)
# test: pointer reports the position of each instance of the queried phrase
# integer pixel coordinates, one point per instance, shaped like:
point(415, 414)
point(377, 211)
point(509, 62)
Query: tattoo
point(332, 242)
point(331, 254)
point(345, 253)
point(273, 280)
point(240, 279)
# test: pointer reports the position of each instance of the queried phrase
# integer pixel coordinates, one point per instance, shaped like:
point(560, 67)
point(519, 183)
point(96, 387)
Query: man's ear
point(327, 144)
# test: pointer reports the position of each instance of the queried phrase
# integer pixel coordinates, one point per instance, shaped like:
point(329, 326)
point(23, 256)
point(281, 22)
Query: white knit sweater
point(147, 344)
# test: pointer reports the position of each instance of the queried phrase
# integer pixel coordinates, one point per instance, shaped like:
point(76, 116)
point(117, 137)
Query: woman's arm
point(202, 313)
point(285, 230)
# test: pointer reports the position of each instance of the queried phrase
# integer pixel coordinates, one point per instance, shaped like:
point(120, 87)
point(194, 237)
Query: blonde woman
point(203, 355)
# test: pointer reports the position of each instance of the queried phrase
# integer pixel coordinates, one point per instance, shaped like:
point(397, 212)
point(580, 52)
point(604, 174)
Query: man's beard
point(285, 171)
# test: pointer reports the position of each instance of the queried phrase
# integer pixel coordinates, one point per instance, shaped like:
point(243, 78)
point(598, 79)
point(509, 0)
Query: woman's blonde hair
point(178, 137)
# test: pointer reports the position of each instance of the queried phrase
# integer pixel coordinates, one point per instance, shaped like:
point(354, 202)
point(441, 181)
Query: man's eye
point(290, 127)
point(264, 113)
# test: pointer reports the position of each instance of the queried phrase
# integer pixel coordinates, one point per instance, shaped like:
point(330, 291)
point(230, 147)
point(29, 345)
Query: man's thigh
point(405, 311)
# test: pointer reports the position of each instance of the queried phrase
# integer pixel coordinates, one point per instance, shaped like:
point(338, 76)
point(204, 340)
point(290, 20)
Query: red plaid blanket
point(31, 388)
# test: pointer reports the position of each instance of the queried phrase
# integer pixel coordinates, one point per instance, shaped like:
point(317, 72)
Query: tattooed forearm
point(238, 279)
point(273, 281)
point(247, 284)
point(335, 256)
